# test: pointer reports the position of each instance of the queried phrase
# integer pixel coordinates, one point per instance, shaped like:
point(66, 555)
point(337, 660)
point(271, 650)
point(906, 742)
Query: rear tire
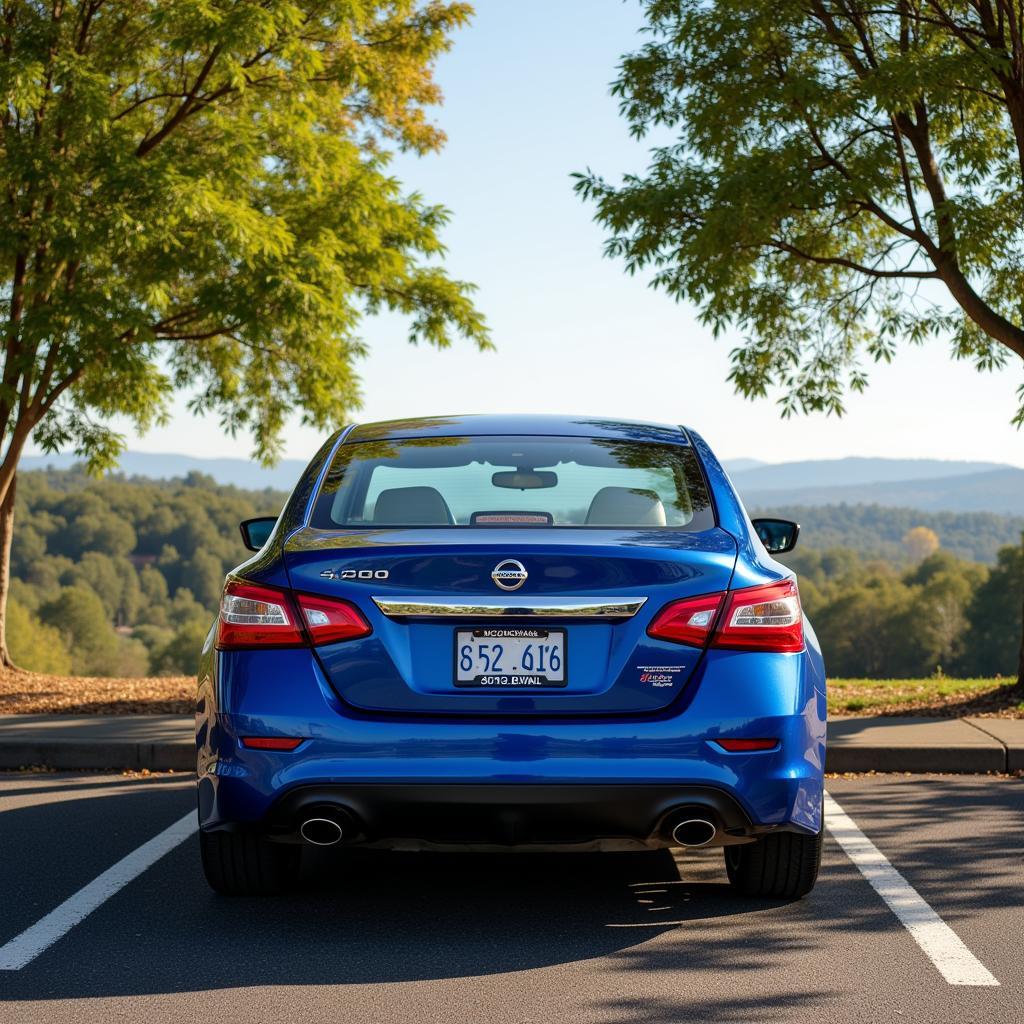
point(244, 863)
point(783, 866)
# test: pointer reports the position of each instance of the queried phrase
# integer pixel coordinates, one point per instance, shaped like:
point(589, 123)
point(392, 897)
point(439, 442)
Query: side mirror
point(777, 535)
point(256, 532)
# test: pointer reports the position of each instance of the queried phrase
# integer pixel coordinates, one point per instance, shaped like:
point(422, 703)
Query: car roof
point(522, 424)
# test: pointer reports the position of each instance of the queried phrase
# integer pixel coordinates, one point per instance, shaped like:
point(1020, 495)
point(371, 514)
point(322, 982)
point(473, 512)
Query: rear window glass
point(513, 481)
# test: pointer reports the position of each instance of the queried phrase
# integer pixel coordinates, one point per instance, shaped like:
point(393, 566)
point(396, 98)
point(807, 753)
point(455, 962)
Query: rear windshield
point(514, 481)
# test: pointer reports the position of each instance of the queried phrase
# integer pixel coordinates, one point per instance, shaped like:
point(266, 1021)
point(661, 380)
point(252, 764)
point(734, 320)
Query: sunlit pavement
point(523, 938)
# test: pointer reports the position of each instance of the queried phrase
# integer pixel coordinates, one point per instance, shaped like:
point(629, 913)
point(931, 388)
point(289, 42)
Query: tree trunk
point(1020, 658)
point(6, 535)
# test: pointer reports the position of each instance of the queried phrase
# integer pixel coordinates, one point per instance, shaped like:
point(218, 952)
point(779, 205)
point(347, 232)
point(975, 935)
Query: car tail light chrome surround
point(255, 615)
point(761, 618)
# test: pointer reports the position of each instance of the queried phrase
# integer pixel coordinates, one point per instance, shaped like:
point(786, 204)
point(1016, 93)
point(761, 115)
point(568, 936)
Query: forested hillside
point(877, 531)
point(122, 577)
point(119, 576)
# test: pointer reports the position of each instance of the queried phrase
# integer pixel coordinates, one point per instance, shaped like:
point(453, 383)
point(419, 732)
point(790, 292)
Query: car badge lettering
point(355, 574)
point(509, 574)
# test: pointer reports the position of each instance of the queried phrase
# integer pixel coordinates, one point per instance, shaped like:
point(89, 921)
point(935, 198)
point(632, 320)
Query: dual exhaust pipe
point(328, 828)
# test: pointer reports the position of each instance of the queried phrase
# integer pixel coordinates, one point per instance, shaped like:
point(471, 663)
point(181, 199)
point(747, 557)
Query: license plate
point(510, 658)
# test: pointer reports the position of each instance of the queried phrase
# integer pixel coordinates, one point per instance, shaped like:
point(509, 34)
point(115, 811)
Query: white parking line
point(955, 962)
point(24, 948)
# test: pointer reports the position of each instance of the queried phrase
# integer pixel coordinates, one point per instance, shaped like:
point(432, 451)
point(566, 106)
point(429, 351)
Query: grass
point(936, 695)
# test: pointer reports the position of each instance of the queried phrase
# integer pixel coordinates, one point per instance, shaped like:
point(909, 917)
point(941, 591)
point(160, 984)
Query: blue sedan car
point(512, 632)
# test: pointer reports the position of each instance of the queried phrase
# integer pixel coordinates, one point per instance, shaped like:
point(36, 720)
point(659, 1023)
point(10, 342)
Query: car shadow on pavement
point(360, 917)
point(371, 918)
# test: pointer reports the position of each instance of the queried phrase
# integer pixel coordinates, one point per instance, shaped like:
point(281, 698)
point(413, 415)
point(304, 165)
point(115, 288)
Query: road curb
point(117, 742)
point(855, 744)
point(71, 755)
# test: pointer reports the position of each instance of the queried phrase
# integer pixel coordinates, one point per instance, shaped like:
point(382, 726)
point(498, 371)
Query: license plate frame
point(520, 679)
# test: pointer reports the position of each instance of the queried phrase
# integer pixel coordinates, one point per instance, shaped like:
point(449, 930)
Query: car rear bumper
point(523, 780)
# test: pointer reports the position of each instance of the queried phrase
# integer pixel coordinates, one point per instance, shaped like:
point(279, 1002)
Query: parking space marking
point(24, 948)
point(954, 961)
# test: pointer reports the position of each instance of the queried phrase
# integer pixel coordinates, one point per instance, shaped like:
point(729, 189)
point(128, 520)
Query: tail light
point(689, 621)
point(254, 615)
point(763, 618)
point(328, 620)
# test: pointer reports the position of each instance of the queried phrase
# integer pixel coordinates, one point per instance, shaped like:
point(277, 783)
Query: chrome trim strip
point(503, 607)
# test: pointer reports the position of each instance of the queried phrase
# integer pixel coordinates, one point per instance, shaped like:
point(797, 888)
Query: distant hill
point(158, 466)
point(846, 472)
point(998, 490)
point(734, 466)
point(877, 532)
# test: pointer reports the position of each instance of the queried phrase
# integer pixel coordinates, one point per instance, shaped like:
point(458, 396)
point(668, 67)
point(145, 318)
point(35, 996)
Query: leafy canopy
point(197, 196)
point(837, 171)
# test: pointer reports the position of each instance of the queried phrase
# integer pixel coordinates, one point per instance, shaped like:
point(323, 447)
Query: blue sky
point(527, 103)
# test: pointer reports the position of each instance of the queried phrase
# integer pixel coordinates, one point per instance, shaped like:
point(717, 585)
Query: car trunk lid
point(588, 594)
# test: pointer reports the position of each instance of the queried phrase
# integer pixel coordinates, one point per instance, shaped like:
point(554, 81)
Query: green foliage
point(34, 646)
point(836, 174)
point(135, 611)
point(78, 616)
point(994, 614)
point(197, 196)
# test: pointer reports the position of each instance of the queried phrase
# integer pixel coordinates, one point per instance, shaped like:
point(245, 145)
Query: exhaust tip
point(694, 832)
point(321, 831)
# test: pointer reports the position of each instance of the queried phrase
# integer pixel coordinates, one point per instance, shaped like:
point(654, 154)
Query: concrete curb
point(855, 744)
point(118, 742)
point(864, 743)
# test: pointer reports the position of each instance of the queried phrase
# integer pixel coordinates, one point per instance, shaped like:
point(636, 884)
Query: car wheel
point(782, 866)
point(244, 863)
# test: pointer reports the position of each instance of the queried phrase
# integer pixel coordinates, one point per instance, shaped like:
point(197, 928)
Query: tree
point(843, 177)
point(197, 196)
point(919, 542)
point(34, 646)
point(78, 615)
point(990, 642)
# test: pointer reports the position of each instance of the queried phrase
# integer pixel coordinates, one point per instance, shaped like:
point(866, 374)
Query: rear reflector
point(737, 746)
point(271, 742)
point(764, 618)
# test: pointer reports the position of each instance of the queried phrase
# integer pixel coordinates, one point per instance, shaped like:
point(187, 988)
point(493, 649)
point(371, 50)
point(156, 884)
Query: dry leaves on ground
point(25, 693)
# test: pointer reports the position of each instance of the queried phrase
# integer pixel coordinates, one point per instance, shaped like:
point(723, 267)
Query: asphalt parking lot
point(533, 938)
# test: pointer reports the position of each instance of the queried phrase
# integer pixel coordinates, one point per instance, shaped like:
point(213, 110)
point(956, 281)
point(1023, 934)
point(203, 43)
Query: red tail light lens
point(253, 615)
point(766, 618)
point(689, 621)
point(329, 620)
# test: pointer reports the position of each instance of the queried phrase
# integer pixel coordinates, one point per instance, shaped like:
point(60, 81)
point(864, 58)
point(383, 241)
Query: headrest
point(412, 506)
point(626, 506)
